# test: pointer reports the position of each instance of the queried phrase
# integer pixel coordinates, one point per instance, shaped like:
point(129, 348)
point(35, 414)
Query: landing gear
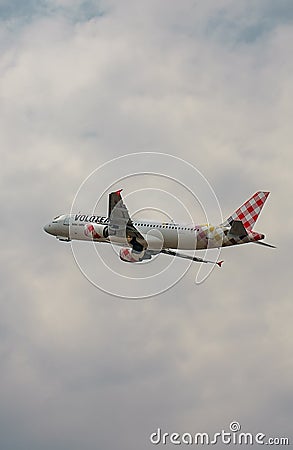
point(136, 246)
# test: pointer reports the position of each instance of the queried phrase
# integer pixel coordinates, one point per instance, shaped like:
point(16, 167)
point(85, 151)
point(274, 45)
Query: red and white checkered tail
point(249, 211)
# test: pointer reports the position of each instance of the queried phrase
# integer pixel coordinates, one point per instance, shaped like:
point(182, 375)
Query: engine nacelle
point(128, 255)
point(96, 231)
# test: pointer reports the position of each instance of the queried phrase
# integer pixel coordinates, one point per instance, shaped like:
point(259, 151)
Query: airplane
point(142, 239)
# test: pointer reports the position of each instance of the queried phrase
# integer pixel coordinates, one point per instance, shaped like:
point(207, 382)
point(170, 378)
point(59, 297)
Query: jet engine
point(96, 230)
point(130, 255)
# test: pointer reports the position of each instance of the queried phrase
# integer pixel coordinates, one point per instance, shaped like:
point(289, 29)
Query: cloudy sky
point(82, 82)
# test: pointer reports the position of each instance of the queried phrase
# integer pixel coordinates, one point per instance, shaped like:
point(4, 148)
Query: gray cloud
point(19, 13)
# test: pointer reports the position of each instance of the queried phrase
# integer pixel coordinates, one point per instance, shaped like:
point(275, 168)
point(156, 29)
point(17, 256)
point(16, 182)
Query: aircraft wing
point(192, 258)
point(121, 226)
point(120, 223)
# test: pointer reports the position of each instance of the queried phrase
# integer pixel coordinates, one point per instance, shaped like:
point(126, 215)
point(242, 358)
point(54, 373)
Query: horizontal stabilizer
point(238, 229)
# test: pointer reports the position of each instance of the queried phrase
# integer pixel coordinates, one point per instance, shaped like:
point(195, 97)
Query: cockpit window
point(58, 219)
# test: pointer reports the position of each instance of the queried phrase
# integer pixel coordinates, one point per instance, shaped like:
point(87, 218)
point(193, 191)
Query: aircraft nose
point(48, 228)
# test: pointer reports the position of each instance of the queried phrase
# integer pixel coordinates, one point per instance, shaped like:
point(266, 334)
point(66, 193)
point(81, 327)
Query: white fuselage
point(174, 236)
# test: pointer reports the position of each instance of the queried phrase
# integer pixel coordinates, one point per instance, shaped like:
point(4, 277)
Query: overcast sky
point(82, 82)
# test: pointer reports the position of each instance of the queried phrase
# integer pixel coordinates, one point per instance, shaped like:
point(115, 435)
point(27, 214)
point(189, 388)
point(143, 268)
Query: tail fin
point(249, 211)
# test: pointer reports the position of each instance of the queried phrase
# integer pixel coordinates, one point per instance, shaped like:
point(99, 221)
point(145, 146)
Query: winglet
point(114, 198)
point(219, 263)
